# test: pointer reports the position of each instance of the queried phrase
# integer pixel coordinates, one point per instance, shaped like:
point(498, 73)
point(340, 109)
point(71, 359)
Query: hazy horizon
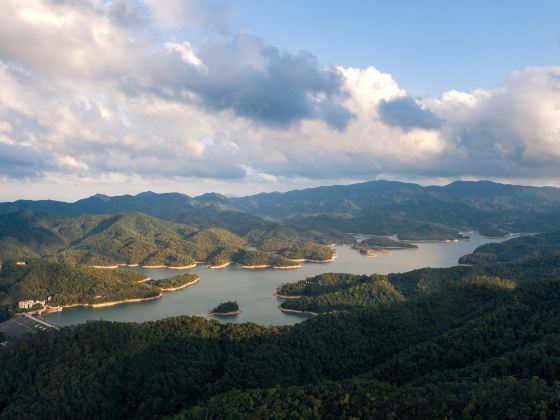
point(230, 195)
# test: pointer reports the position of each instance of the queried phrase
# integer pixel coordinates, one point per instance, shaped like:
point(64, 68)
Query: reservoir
point(253, 289)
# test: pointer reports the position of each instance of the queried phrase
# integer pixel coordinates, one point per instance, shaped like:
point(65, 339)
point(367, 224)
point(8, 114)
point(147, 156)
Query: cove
point(253, 289)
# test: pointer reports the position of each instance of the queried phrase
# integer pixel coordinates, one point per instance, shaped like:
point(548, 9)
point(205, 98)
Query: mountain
point(136, 238)
point(159, 205)
point(412, 211)
point(131, 238)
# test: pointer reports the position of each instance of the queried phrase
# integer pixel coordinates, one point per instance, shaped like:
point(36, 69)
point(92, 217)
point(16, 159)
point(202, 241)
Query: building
point(21, 263)
point(28, 304)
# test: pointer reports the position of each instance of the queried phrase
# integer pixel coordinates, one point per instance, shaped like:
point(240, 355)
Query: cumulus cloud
point(19, 161)
point(96, 90)
point(405, 113)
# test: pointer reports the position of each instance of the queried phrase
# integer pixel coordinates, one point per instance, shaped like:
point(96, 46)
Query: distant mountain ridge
point(376, 207)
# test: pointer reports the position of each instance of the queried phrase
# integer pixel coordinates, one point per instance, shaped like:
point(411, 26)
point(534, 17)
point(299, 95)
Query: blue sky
point(428, 46)
point(243, 96)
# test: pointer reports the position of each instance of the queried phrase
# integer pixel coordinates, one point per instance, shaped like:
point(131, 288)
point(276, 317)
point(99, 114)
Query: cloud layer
point(95, 90)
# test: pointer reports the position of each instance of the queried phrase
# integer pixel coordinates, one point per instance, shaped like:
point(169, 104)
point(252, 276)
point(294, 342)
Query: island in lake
point(229, 308)
point(176, 283)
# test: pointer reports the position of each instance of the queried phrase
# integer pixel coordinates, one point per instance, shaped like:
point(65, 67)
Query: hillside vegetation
point(472, 350)
point(383, 208)
point(134, 238)
point(69, 284)
point(532, 258)
point(412, 211)
point(517, 249)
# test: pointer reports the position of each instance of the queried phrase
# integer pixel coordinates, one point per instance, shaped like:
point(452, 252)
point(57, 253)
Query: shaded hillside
point(517, 249)
point(478, 348)
point(377, 207)
point(130, 238)
point(339, 291)
point(413, 211)
point(69, 284)
point(134, 238)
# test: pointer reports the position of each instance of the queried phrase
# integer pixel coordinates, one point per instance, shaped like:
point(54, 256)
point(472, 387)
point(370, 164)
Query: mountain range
point(412, 211)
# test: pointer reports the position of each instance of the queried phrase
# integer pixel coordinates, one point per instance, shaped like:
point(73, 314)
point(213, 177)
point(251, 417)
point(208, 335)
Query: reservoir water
point(253, 289)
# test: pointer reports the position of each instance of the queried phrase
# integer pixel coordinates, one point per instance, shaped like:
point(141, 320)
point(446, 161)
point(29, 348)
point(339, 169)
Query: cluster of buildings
point(28, 304)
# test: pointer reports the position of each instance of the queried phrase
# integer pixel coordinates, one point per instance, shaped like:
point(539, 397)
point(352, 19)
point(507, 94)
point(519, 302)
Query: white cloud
point(94, 90)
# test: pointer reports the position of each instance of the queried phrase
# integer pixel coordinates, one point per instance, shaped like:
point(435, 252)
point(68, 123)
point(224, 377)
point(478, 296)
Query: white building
point(28, 304)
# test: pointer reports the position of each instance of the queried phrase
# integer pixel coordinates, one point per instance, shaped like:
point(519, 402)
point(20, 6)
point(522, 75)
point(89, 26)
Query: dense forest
point(379, 243)
point(70, 284)
point(250, 258)
point(473, 350)
point(225, 307)
point(175, 282)
point(517, 249)
point(412, 211)
point(371, 291)
point(134, 238)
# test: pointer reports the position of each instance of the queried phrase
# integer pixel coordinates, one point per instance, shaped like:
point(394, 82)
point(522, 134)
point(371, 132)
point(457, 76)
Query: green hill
point(517, 249)
point(130, 238)
point(69, 284)
point(473, 350)
point(135, 238)
point(412, 211)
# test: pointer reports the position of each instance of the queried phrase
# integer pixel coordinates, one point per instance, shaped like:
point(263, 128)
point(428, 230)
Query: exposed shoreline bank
point(172, 289)
point(183, 267)
point(281, 296)
point(295, 311)
point(102, 304)
point(224, 265)
point(232, 313)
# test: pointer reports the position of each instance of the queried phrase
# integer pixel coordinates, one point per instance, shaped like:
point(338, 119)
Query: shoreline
point(295, 311)
point(232, 313)
point(106, 267)
point(183, 267)
point(286, 267)
point(102, 304)
point(314, 261)
point(281, 296)
point(220, 265)
point(172, 289)
point(256, 267)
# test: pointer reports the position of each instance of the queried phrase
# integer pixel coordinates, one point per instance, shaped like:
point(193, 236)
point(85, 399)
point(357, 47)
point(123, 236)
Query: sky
point(245, 96)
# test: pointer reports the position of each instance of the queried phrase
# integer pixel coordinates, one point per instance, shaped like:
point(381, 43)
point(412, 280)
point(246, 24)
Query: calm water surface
point(253, 289)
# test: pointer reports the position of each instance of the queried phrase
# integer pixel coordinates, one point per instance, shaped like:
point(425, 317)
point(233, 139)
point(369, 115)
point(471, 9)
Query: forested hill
point(413, 211)
point(377, 207)
point(475, 350)
point(478, 341)
point(518, 249)
point(135, 238)
point(513, 262)
point(130, 238)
